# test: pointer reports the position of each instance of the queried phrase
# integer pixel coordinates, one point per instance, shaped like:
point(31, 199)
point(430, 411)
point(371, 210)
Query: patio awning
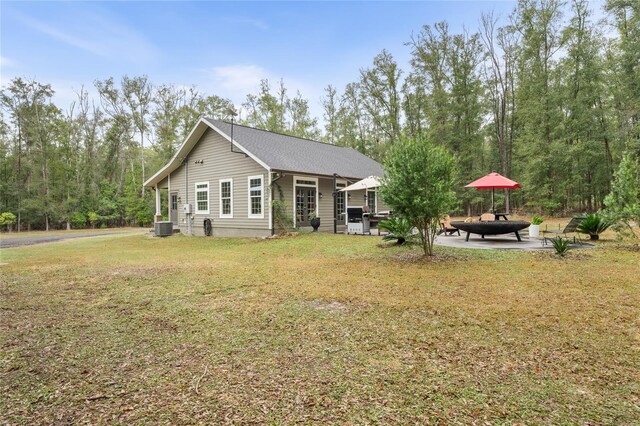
point(366, 183)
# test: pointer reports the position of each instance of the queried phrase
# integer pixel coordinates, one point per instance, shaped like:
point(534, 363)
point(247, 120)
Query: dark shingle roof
point(293, 154)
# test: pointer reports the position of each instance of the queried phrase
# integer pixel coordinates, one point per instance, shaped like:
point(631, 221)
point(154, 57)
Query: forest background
point(550, 99)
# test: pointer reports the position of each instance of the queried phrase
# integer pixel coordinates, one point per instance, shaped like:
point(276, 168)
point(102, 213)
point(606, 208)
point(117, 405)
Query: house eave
point(308, 173)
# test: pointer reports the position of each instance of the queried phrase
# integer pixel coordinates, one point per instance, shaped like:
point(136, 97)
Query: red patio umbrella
point(492, 181)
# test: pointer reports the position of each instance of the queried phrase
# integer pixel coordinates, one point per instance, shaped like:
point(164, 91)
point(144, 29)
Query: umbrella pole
point(493, 202)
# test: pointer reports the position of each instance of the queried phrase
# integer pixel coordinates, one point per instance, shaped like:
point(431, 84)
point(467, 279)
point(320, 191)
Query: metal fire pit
point(492, 227)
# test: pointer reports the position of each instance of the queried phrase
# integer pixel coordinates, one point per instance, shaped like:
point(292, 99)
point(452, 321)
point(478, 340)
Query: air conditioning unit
point(164, 229)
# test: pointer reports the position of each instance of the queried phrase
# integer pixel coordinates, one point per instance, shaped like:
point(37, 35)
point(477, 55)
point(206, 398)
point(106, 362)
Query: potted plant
point(315, 221)
point(593, 225)
point(534, 228)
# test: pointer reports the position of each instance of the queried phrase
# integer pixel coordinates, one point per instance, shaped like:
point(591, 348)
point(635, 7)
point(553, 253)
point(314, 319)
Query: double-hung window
point(256, 197)
point(226, 198)
point(202, 197)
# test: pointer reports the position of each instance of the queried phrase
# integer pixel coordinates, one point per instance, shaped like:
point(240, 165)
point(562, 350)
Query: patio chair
point(486, 217)
point(570, 228)
point(446, 228)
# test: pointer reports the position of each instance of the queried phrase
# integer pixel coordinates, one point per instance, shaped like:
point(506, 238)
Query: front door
point(173, 207)
point(305, 205)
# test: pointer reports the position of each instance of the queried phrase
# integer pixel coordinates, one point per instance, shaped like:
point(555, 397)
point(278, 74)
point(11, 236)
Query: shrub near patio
point(315, 329)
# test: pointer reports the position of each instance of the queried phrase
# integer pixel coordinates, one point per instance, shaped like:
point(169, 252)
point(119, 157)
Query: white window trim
point(261, 215)
point(196, 197)
point(316, 186)
point(220, 215)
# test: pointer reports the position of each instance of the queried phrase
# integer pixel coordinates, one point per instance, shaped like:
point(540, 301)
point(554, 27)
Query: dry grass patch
point(316, 329)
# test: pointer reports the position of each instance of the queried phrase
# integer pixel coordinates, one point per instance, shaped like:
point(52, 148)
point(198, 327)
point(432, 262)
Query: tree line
point(550, 98)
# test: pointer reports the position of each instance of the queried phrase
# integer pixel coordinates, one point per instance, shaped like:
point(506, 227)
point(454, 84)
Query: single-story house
point(230, 174)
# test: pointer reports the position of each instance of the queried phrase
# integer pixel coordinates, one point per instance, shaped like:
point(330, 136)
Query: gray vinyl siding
point(382, 207)
point(285, 183)
point(283, 191)
point(220, 163)
point(358, 200)
point(325, 207)
point(164, 183)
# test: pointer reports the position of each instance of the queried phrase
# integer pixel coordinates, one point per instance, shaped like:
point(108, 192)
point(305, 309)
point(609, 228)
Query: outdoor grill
point(357, 221)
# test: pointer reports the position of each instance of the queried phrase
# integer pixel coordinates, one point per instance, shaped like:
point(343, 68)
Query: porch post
point(158, 216)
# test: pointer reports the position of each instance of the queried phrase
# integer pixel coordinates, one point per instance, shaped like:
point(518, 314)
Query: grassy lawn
point(316, 329)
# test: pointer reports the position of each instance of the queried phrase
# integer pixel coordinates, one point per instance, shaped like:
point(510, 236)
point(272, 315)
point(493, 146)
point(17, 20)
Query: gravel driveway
point(29, 241)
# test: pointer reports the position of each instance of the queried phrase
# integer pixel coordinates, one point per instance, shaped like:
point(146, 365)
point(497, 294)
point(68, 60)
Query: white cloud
point(99, 35)
point(7, 62)
point(64, 37)
point(237, 79)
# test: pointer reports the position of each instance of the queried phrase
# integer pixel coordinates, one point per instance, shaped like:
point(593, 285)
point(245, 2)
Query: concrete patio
point(490, 242)
point(498, 242)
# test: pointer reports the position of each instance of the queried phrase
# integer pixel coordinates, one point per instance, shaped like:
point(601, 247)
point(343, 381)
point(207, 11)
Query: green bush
point(623, 202)
point(7, 219)
point(418, 185)
point(78, 220)
point(399, 229)
point(593, 225)
point(536, 220)
point(561, 245)
point(93, 218)
point(144, 217)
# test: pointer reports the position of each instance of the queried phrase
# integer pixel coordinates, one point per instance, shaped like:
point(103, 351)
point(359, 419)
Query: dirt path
point(28, 241)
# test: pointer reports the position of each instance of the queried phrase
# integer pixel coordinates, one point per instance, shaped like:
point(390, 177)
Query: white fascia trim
point(261, 215)
point(196, 197)
point(220, 215)
point(178, 154)
point(243, 149)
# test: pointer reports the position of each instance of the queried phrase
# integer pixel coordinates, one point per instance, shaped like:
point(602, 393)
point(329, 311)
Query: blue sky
point(223, 48)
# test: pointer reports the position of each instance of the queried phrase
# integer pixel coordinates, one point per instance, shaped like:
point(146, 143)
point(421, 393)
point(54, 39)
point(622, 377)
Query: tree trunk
point(142, 156)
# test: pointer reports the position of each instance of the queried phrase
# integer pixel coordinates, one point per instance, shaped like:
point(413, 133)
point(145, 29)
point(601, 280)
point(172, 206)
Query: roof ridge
point(277, 133)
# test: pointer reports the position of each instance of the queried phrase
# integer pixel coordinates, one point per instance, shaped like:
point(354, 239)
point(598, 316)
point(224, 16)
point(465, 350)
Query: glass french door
point(305, 205)
point(341, 206)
